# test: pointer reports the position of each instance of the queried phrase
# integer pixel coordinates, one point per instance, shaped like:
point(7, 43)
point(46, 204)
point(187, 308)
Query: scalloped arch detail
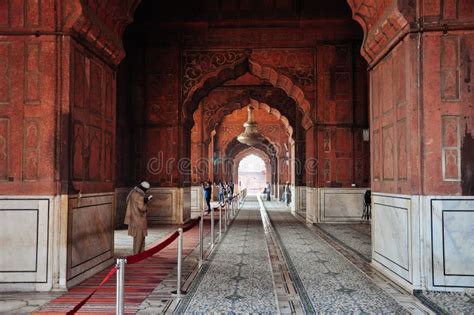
point(219, 76)
point(271, 110)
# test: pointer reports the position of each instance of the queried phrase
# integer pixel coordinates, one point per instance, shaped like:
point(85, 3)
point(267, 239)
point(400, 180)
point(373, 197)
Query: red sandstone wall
point(394, 124)
point(93, 122)
point(447, 114)
point(28, 100)
point(413, 158)
point(341, 115)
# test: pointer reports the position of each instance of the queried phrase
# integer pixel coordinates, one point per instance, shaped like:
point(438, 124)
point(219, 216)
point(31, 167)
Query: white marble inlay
point(24, 240)
point(18, 240)
point(391, 234)
point(459, 242)
point(451, 224)
point(341, 204)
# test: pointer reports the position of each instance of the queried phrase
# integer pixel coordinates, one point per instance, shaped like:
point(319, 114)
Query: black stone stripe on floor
point(333, 284)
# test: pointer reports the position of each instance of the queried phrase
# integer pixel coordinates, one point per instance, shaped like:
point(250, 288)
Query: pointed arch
point(216, 78)
point(258, 105)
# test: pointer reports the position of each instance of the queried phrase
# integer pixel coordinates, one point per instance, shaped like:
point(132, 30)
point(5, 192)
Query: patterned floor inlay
point(354, 236)
point(448, 302)
point(334, 285)
point(407, 300)
point(238, 277)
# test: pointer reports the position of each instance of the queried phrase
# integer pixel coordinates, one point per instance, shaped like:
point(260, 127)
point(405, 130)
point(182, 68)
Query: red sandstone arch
point(381, 22)
point(267, 146)
point(216, 78)
point(101, 23)
point(256, 104)
point(239, 156)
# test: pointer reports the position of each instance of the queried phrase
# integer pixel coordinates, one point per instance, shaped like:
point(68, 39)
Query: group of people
point(224, 190)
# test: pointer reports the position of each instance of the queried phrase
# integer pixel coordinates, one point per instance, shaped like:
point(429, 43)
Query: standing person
point(135, 216)
point(220, 192)
point(287, 193)
point(207, 187)
point(231, 186)
point(228, 191)
point(268, 191)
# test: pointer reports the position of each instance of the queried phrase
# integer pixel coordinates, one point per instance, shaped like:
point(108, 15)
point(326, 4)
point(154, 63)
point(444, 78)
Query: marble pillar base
point(197, 201)
point(312, 205)
point(334, 205)
point(169, 205)
point(424, 242)
point(90, 239)
point(298, 198)
point(32, 257)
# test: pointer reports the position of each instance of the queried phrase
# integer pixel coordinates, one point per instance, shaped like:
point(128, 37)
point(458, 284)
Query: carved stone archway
point(258, 105)
point(236, 67)
point(242, 153)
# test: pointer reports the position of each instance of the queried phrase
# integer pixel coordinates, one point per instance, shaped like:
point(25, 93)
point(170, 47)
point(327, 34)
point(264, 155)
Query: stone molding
point(383, 22)
point(101, 24)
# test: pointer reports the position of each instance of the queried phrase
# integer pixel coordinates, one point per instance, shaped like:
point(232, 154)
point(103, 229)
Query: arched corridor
point(355, 114)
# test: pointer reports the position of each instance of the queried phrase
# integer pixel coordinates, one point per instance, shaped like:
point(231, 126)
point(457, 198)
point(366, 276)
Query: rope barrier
point(84, 301)
point(152, 251)
point(191, 224)
point(133, 259)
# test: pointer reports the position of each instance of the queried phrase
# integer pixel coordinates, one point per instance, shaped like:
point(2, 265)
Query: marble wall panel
point(391, 234)
point(184, 206)
point(90, 234)
point(169, 205)
point(197, 201)
point(301, 199)
point(451, 225)
point(24, 241)
point(341, 204)
point(311, 205)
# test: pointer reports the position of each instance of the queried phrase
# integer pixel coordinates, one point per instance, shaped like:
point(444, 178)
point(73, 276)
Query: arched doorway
point(252, 174)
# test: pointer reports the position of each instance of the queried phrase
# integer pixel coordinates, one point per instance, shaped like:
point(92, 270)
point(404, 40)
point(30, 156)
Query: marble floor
point(269, 262)
point(238, 278)
point(355, 237)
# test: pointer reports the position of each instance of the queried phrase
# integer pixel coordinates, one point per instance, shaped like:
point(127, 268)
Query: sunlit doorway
point(252, 174)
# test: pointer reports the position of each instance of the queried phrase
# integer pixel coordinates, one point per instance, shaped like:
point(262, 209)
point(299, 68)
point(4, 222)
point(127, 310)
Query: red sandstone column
point(419, 56)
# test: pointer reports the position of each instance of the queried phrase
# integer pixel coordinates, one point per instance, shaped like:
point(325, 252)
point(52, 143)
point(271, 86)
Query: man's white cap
point(145, 184)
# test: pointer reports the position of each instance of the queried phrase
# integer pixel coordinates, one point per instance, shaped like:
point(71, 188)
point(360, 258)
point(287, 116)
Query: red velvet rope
point(84, 301)
point(152, 251)
point(191, 224)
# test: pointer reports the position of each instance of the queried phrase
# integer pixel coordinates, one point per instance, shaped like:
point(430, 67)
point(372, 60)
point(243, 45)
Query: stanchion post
point(201, 239)
point(220, 222)
point(178, 291)
point(119, 305)
point(212, 226)
point(232, 207)
point(225, 220)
